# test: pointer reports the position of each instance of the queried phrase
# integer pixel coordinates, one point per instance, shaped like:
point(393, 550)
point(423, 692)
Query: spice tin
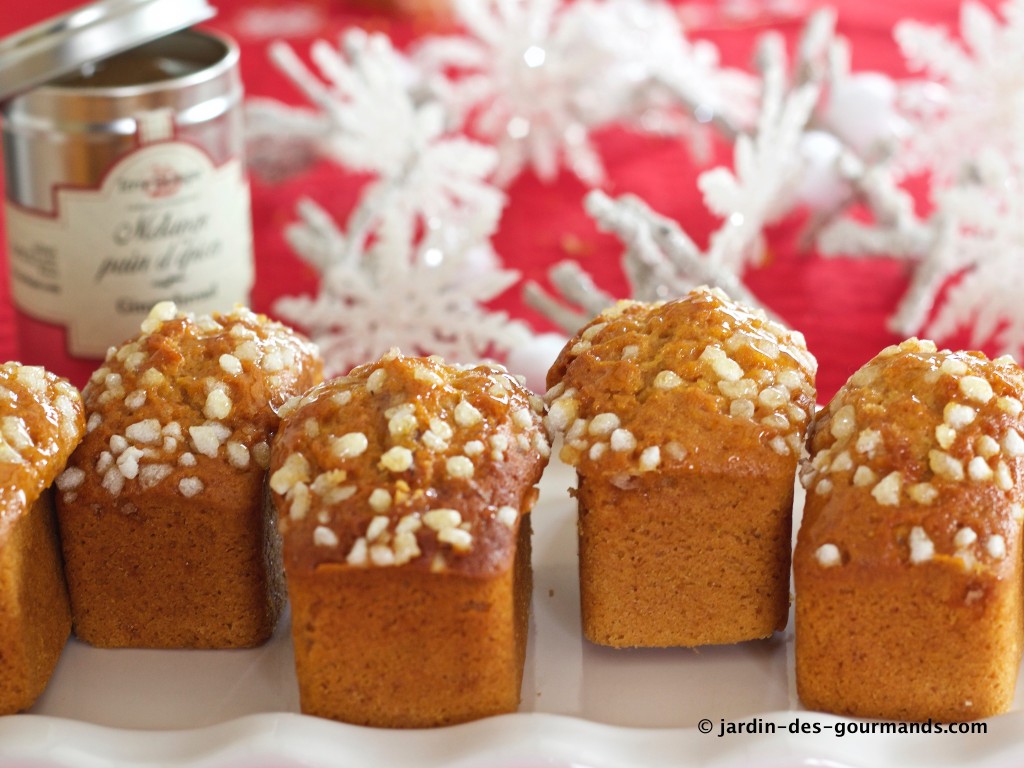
point(125, 183)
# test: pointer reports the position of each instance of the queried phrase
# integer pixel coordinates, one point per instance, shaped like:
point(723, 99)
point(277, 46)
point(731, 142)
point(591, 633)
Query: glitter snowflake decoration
point(282, 141)
point(375, 300)
point(767, 166)
point(660, 259)
point(967, 254)
point(535, 77)
point(985, 228)
point(975, 96)
point(413, 266)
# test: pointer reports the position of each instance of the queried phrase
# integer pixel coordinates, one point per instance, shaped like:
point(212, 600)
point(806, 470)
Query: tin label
point(164, 224)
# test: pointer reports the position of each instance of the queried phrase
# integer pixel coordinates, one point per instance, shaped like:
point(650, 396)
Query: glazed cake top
point(682, 383)
point(935, 437)
point(408, 461)
point(188, 395)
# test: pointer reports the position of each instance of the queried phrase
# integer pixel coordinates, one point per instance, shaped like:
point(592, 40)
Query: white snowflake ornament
point(514, 85)
point(429, 304)
point(376, 125)
point(986, 245)
point(967, 131)
point(861, 111)
point(977, 93)
point(820, 186)
point(647, 73)
point(413, 266)
point(535, 77)
point(660, 260)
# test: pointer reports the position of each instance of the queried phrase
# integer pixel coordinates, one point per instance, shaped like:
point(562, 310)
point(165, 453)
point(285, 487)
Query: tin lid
point(63, 44)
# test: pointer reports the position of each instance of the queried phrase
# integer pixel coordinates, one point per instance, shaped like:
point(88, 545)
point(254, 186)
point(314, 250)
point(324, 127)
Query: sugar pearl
point(349, 445)
point(976, 388)
point(650, 458)
point(459, 467)
point(844, 423)
point(396, 459)
point(324, 537)
point(667, 380)
point(828, 555)
point(996, 547)
point(921, 547)
point(622, 440)
point(603, 424)
point(887, 491)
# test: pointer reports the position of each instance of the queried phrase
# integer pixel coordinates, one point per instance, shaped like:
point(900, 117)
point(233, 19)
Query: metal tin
point(64, 44)
point(125, 186)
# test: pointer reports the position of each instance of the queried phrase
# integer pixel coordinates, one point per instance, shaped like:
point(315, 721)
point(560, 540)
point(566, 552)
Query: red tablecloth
point(840, 304)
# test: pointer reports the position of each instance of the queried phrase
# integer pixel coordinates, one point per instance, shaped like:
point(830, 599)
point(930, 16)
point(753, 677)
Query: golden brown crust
point(166, 489)
point(361, 636)
point(408, 462)
point(908, 644)
point(684, 559)
point(41, 422)
point(35, 617)
point(617, 388)
point(909, 552)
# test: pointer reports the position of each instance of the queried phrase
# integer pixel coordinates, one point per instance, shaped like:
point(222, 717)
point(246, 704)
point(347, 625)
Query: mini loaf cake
point(907, 567)
point(684, 421)
point(41, 422)
point(168, 538)
point(403, 492)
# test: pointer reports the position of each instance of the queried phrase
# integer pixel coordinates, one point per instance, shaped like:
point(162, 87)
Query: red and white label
point(165, 224)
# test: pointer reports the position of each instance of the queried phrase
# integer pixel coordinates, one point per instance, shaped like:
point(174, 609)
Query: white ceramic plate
point(583, 706)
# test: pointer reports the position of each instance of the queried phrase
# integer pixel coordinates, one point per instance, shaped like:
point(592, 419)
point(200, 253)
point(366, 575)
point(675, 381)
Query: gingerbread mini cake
point(907, 567)
point(168, 538)
point(403, 492)
point(684, 420)
point(41, 422)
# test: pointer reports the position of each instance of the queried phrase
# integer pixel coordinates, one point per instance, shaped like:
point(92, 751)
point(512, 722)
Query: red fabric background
point(840, 304)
